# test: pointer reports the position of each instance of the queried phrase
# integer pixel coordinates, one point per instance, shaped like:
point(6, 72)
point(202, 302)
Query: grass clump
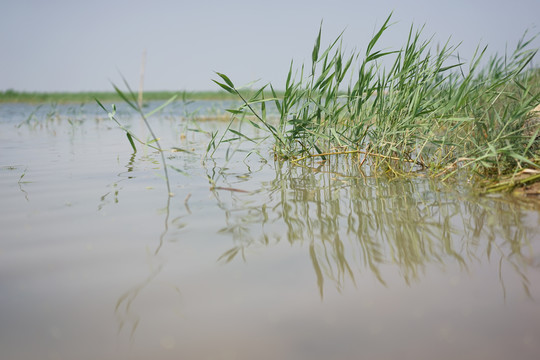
point(427, 111)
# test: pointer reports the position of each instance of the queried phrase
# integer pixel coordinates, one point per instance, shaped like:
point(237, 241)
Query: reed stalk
point(130, 99)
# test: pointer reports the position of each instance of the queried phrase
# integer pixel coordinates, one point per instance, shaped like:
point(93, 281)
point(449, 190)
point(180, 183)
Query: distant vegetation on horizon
point(12, 96)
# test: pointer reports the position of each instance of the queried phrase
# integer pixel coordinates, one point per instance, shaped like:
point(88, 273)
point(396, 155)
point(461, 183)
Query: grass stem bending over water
point(132, 101)
point(427, 110)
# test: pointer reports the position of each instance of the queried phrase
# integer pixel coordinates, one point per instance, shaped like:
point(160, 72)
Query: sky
point(72, 45)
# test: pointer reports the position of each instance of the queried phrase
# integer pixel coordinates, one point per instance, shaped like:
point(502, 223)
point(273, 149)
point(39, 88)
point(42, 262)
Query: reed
point(131, 99)
point(427, 111)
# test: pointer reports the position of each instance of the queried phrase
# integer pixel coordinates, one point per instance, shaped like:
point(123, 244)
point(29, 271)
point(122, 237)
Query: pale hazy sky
point(71, 45)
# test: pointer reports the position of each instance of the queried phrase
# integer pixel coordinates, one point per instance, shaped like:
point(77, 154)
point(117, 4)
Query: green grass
point(130, 98)
point(405, 110)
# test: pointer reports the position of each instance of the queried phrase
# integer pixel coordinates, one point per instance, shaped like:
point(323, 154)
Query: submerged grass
point(428, 111)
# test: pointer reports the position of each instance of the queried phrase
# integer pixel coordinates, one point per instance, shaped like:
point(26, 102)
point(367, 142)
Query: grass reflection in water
point(349, 223)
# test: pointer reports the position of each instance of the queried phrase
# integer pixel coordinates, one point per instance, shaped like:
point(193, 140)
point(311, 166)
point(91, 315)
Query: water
point(250, 259)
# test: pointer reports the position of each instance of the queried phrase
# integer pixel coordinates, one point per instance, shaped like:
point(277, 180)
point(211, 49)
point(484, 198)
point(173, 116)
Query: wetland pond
point(251, 258)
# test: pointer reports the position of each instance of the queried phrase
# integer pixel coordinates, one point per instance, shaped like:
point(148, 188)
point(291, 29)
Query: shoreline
point(10, 96)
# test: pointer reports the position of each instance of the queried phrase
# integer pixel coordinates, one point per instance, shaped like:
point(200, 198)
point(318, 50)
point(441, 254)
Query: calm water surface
point(250, 259)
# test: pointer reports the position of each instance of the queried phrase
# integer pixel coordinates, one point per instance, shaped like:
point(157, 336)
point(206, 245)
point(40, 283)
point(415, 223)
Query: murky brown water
point(250, 259)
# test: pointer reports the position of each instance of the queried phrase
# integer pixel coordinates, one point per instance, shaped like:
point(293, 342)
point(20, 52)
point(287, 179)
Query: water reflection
point(162, 272)
point(126, 316)
point(350, 224)
point(115, 185)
